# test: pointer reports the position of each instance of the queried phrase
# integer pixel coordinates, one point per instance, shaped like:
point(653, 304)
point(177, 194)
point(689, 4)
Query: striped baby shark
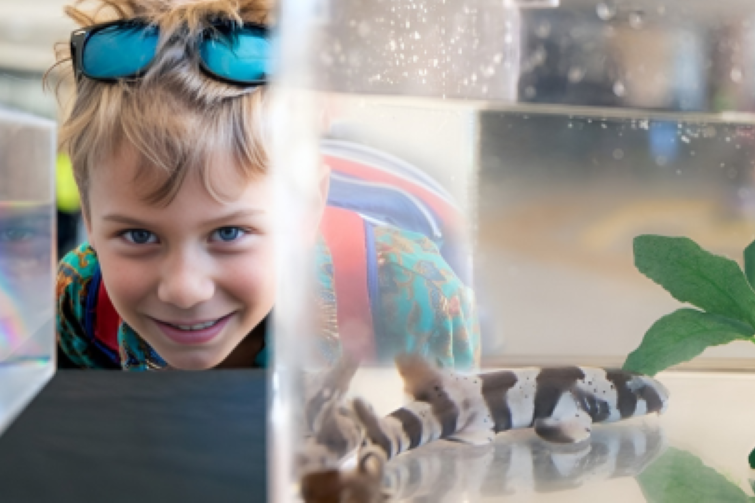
point(560, 403)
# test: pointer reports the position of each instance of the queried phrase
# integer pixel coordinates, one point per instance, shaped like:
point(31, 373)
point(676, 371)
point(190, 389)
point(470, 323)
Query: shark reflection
point(520, 462)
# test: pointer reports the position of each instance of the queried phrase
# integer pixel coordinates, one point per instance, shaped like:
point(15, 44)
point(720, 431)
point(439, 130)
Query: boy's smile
point(192, 277)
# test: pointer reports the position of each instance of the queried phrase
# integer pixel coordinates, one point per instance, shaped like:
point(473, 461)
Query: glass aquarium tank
point(27, 260)
point(497, 214)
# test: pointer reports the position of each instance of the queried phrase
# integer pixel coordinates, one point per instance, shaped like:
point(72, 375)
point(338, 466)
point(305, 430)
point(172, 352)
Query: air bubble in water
point(619, 89)
point(618, 154)
point(637, 20)
point(576, 74)
point(543, 29)
point(661, 160)
point(736, 74)
point(530, 92)
point(606, 11)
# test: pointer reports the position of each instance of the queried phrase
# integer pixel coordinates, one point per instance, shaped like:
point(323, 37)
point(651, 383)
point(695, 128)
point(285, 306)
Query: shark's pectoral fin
point(569, 429)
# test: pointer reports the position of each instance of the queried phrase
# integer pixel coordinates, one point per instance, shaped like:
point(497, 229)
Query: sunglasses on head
point(230, 52)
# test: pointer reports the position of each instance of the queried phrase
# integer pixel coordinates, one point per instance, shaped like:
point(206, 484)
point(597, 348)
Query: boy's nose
point(184, 283)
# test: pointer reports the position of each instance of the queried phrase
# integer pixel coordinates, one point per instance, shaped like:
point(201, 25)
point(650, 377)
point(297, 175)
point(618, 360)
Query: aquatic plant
point(716, 285)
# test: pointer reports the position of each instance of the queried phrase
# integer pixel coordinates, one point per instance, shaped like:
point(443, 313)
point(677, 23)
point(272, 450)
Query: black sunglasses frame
point(80, 37)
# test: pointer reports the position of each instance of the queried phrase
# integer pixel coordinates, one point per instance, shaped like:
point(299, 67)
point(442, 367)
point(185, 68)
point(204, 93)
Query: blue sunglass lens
point(238, 54)
point(119, 51)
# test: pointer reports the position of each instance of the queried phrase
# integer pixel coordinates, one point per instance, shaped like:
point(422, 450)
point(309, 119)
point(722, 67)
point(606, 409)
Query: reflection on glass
point(27, 333)
point(25, 279)
point(521, 463)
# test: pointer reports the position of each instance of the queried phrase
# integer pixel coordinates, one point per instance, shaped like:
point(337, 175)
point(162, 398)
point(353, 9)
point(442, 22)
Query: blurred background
point(28, 32)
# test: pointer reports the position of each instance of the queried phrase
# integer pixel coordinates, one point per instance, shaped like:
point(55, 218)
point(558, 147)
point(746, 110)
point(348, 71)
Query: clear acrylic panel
point(491, 163)
point(27, 232)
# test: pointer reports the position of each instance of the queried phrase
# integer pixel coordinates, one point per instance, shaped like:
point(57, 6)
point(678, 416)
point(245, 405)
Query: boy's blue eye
point(139, 237)
point(229, 233)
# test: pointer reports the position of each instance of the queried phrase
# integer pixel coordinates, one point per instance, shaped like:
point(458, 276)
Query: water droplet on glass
point(576, 74)
point(606, 11)
point(637, 20)
point(644, 124)
point(530, 92)
point(661, 160)
point(619, 89)
point(618, 154)
point(685, 139)
point(736, 74)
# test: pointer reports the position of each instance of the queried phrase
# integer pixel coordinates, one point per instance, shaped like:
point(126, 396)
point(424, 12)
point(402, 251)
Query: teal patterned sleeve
point(424, 307)
point(75, 271)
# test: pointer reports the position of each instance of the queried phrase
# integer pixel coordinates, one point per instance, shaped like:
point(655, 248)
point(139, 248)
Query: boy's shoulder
point(412, 251)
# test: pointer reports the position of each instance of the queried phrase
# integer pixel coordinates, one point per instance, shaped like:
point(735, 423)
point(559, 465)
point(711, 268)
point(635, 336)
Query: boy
point(170, 157)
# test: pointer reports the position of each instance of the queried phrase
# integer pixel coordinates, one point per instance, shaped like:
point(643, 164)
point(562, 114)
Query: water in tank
point(495, 214)
point(27, 333)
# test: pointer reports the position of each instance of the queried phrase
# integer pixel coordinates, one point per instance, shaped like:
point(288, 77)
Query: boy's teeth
point(195, 327)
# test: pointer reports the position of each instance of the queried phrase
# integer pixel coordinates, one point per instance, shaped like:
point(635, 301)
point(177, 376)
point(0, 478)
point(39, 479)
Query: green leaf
point(689, 273)
point(678, 476)
point(681, 336)
point(750, 264)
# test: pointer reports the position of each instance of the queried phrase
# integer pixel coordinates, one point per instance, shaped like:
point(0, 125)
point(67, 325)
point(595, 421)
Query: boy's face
point(195, 277)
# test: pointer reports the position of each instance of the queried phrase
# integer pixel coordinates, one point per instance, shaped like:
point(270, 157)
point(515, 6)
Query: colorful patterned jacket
point(423, 308)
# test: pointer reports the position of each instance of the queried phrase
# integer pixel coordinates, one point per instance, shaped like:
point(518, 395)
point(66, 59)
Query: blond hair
point(174, 117)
